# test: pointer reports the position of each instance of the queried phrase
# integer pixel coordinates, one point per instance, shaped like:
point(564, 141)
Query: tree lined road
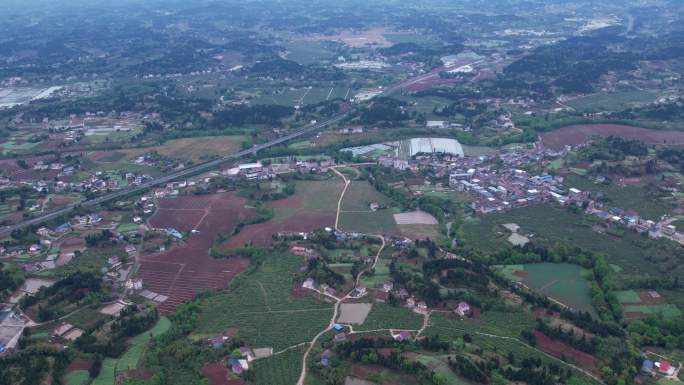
point(5, 231)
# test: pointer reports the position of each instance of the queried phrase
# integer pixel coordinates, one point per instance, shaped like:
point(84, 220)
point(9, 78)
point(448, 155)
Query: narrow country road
point(338, 301)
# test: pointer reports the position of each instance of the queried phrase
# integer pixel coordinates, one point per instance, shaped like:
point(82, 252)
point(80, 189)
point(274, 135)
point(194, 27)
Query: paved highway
point(5, 231)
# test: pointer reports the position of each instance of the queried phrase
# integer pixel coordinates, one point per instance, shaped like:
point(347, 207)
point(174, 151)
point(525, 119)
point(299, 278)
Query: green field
point(561, 281)
point(263, 309)
point(666, 310)
point(86, 318)
point(384, 316)
point(131, 358)
point(627, 296)
point(107, 373)
point(77, 377)
point(127, 227)
point(357, 216)
point(632, 303)
point(378, 222)
point(14, 147)
point(281, 369)
point(616, 101)
point(360, 194)
point(315, 195)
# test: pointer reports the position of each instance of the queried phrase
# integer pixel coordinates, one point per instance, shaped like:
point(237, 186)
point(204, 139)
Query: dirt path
point(347, 182)
point(338, 301)
point(263, 291)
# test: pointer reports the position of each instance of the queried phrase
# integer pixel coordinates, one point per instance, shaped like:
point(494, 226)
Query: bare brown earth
point(577, 134)
point(186, 269)
point(564, 351)
point(217, 374)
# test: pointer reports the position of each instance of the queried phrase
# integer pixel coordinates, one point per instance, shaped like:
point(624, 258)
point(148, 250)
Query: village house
point(421, 308)
point(462, 309)
point(309, 284)
point(402, 336)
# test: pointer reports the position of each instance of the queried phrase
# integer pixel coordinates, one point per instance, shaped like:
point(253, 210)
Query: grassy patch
point(127, 227)
point(666, 310)
point(561, 281)
point(77, 377)
point(627, 296)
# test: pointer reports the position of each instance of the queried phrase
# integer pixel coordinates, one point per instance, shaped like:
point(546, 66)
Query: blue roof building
point(647, 367)
point(338, 328)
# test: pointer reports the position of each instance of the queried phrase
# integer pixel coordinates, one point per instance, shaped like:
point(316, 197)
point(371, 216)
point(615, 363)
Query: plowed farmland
point(186, 269)
point(572, 135)
point(311, 207)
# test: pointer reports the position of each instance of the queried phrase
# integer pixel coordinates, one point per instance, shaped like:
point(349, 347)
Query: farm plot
point(311, 207)
point(378, 222)
point(200, 148)
point(263, 309)
point(562, 282)
point(283, 369)
point(564, 351)
point(182, 271)
point(573, 135)
point(354, 313)
point(384, 316)
point(643, 304)
point(360, 195)
point(356, 215)
point(417, 225)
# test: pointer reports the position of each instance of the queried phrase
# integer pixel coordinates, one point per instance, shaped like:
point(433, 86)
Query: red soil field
point(186, 269)
point(79, 364)
point(630, 315)
point(647, 299)
point(560, 350)
point(363, 371)
point(217, 374)
point(260, 234)
point(60, 201)
point(302, 220)
point(577, 134)
point(179, 219)
point(520, 273)
point(293, 201)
